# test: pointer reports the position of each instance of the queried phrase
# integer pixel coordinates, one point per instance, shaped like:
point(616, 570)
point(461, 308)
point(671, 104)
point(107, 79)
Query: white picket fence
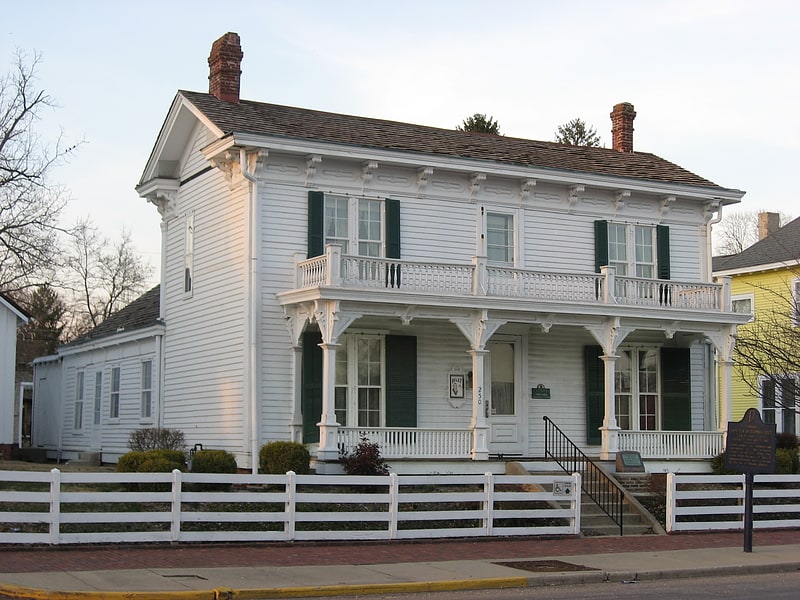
point(74, 508)
point(716, 502)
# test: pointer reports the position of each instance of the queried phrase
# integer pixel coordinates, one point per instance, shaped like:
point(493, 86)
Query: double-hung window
point(743, 303)
point(359, 381)
point(779, 402)
point(796, 302)
point(77, 422)
point(113, 411)
point(500, 237)
point(147, 390)
point(98, 396)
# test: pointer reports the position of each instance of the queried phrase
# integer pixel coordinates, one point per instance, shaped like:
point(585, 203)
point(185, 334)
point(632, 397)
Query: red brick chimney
point(225, 63)
point(768, 223)
point(622, 127)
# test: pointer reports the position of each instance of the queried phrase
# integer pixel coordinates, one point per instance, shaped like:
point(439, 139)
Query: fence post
point(576, 503)
point(671, 492)
point(55, 506)
point(488, 491)
point(394, 504)
point(290, 509)
point(177, 482)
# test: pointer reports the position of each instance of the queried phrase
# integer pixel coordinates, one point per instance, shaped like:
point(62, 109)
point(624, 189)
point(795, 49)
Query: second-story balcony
point(480, 279)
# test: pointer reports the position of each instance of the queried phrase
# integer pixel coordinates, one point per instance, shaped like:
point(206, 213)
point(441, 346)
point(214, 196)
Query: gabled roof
point(22, 314)
point(781, 248)
point(257, 118)
point(142, 312)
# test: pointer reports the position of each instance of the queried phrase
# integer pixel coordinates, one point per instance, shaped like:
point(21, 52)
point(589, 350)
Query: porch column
point(328, 427)
point(296, 424)
point(479, 425)
point(725, 371)
point(610, 430)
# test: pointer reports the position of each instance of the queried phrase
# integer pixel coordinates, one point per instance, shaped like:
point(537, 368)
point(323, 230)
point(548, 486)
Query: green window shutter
point(401, 381)
point(662, 247)
point(392, 228)
point(595, 394)
point(316, 224)
point(676, 392)
point(600, 245)
point(311, 388)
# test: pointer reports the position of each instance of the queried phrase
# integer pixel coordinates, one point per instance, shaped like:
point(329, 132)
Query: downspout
point(251, 321)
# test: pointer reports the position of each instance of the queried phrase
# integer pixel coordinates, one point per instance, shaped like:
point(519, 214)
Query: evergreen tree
point(480, 123)
point(577, 133)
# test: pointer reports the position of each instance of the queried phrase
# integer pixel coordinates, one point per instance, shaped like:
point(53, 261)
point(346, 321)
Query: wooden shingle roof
point(781, 247)
point(248, 117)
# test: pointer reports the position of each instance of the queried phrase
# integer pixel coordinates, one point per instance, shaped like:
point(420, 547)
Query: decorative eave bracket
point(572, 198)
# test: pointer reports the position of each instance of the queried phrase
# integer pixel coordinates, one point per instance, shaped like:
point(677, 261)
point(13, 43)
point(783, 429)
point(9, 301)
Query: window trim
point(745, 296)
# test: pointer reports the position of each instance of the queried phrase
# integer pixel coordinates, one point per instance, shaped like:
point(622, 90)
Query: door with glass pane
point(505, 418)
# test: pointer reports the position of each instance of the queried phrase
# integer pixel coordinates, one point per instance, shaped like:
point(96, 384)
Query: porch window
point(362, 226)
point(633, 250)
point(77, 422)
point(113, 411)
point(779, 402)
point(500, 237)
point(636, 377)
point(359, 388)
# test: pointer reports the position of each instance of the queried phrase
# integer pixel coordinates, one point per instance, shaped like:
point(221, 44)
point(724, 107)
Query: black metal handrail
point(603, 490)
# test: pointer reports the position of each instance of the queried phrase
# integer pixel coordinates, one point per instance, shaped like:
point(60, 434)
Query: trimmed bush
point(787, 440)
point(366, 459)
point(151, 461)
point(282, 457)
point(787, 461)
point(214, 461)
point(156, 438)
point(718, 465)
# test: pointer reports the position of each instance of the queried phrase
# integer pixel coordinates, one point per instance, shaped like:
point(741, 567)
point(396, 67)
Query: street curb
point(550, 579)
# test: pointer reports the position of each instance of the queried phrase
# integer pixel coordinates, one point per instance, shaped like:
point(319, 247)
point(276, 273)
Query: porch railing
point(410, 442)
point(595, 483)
point(672, 444)
point(479, 279)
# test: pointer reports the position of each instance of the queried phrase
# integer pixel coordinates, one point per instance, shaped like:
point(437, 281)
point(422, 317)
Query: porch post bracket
point(332, 322)
point(610, 334)
point(671, 329)
point(478, 329)
point(295, 319)
point(724, 342)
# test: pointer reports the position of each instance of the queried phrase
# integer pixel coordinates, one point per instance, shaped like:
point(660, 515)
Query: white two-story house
point(327, 277)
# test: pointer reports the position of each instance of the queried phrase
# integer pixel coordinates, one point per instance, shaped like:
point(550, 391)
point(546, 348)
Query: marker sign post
point(750, 449)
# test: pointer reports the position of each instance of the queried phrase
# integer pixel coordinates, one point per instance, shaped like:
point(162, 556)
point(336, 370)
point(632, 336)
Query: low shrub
point(787, 440)
point(787, 461)
point(281, 457)
point(214, 461)
point(156, 438)
point(365, 459)
point(718, 465)
point(151, 461)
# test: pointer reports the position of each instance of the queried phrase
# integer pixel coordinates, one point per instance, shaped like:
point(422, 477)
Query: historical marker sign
point(750, 449)
point(750, 445)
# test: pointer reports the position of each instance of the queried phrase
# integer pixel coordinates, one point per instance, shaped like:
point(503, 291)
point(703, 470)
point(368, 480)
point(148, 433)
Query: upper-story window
point(743, 303)
point(500, 237)
point(361, 226)
point(633, 250)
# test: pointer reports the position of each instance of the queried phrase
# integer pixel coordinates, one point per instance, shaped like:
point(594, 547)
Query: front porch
point(403, 443)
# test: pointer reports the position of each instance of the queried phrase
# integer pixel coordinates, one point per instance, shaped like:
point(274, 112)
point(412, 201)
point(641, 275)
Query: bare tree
point(103, 276)
point(29, 204)
point(768, 349)
point(739, 230)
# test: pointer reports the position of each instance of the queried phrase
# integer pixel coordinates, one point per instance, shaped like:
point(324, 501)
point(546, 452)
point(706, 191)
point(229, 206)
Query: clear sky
point(715, 84)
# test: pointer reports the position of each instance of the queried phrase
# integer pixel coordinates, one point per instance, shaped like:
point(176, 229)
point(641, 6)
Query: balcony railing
point(672, 444)
point(334, 269)
point(405, 442)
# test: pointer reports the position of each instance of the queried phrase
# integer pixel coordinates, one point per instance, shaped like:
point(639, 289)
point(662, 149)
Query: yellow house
point(765, 282)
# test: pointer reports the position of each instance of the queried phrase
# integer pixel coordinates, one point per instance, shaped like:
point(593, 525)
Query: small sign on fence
point(750, 449)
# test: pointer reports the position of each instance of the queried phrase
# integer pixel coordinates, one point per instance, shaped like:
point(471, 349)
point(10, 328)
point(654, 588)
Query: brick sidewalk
point(92, 558)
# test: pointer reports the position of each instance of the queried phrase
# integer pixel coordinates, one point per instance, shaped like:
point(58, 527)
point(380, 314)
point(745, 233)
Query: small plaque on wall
point(540, 392)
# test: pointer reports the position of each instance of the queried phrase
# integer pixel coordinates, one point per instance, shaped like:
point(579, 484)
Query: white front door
point(505, 415)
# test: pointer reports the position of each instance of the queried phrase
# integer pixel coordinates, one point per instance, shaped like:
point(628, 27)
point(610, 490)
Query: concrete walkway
point(189, 572)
